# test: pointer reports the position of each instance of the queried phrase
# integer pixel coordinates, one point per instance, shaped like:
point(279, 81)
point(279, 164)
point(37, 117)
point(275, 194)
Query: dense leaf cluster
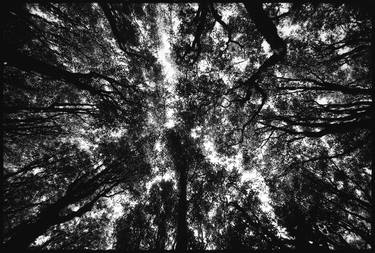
point(263, 139)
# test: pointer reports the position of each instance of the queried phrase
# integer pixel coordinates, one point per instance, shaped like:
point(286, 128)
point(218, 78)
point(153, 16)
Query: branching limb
point(263, 231)
point(328, 129)
point(322, 85)
point(225, 26)
point(266, 27)
point(121, 38)
point(28, 63)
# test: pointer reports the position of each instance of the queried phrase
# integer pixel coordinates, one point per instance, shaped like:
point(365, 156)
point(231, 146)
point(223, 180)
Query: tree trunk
point(28, 63)
point(162, 232)
point(27, 233)
point(179, 153)
point(301, 242)
point(182, 212)
point(269, 31)
point(372, 233)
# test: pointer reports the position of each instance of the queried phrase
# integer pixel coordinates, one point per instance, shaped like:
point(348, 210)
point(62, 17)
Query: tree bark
point(301, 242)
point(269, 31)
point(179, 155)
point(28, 63)
point(162, 232)
point(27, 233)
point(182, 212)
point(372, 233)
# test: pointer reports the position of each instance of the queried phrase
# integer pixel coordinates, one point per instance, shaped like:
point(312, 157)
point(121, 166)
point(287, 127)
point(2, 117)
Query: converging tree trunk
point(273, 143)
point(373, 140)
point(182, 211)
point(162, 232)
point(179, 155)
point(26, 233)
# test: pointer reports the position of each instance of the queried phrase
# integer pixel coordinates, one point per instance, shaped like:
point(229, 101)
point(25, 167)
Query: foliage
point(93, 121)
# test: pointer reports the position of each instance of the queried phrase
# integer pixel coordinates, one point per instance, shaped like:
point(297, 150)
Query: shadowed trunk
point(182, 211)
point(372, 233)
point(162, 233)
point(26, 233)
point(179, 155)
point(31, 64)
point(301, 241)
point(266, 27)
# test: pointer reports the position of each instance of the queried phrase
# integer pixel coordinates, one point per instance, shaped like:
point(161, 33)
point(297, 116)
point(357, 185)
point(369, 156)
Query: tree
point(348, 95)
point(135, 229)
point(282, 91)
point(69, 235)
point(59, 174)
point(83, 188)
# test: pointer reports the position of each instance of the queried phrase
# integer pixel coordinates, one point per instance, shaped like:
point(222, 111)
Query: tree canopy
point(188, 126)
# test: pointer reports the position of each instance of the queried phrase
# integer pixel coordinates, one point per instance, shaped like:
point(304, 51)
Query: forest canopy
point(187, 126)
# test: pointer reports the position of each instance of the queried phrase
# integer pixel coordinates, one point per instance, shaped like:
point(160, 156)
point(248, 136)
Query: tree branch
point(28, 63)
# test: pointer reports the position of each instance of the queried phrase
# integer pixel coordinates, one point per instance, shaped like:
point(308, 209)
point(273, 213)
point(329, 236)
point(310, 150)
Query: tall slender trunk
point(372, 69)
point(178, 149)
point(373, 193)
point(182, 212)
point(301, 242)
point(162, 232)
point(27, 233)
